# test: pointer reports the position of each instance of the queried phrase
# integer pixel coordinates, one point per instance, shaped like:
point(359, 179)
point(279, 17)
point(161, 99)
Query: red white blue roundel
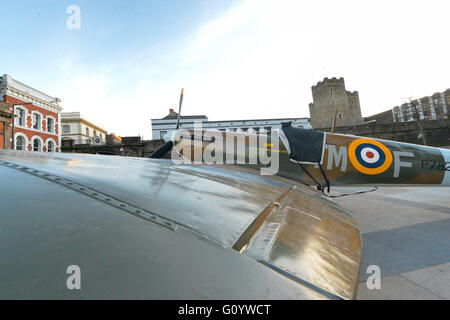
point(369, 156)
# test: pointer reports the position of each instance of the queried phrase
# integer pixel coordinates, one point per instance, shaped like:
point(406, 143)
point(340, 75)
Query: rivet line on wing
point(142, 213)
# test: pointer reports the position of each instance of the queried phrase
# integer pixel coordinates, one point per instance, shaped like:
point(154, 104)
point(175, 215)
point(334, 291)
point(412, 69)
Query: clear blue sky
point(112, 31)
point(236, 59)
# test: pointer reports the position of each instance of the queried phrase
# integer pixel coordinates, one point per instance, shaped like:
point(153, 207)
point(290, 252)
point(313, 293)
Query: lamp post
point(14, 121)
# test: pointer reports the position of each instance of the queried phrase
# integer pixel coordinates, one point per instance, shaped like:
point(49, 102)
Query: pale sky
point(236, 59)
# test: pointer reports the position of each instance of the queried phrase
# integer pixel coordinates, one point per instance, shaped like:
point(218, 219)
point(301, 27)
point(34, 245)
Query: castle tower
point(330, 95)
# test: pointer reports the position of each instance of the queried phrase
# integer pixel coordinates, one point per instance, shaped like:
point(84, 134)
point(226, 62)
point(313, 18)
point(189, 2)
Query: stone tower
point(330, 95)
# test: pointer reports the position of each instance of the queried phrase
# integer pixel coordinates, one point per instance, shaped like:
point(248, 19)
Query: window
point(87, 131)
point(50, 146)
point(36, 145)
point(88, 141)
point(50, 125)
point(20, 114)
point(20, 143)
point(66, 129)
point(36, 121)
point(95, 133)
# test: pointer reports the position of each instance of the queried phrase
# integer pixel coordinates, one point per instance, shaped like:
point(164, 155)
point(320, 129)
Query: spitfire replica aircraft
point(195, 226)
point(325, 159)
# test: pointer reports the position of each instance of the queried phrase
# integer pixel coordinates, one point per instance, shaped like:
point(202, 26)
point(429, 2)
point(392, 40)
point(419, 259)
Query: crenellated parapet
point(329, 82)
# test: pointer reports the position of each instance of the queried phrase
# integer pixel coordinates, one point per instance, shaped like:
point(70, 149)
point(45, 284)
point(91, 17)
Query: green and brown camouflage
point(346, 159)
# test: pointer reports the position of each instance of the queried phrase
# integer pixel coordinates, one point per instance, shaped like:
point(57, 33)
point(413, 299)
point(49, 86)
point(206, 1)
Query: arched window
point(50, 146)
point(20, 143)
point(36, 145)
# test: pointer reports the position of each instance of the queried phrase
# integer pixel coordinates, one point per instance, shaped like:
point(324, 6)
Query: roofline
point(10, 82)
point(276, 119)
point(85, 122)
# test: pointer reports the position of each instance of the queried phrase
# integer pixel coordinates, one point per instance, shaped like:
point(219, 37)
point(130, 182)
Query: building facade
point(78, 130)
point(161, 126)
point(330, 98)
point(5, 122)
point(37, 117)
point(435, 107)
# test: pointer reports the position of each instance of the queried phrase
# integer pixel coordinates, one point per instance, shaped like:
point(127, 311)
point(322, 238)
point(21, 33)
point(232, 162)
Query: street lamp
point(14, 121)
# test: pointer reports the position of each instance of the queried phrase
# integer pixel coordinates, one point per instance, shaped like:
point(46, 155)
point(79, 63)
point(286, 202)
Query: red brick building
point(37, 117)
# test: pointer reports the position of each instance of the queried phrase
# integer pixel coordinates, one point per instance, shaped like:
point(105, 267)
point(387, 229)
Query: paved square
point(406, 232)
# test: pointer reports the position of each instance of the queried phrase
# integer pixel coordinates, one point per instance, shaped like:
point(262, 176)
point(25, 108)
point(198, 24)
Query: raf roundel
point(369, 156)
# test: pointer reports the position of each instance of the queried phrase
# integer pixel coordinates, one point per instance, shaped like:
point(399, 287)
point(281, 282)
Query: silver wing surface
point(149, 229)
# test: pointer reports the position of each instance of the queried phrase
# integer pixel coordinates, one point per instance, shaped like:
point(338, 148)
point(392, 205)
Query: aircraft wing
point(143, 228)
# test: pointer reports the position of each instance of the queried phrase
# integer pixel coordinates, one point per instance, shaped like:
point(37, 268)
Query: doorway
point(2, 135)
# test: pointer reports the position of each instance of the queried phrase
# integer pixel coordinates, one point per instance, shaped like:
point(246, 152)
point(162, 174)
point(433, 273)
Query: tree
point(416, 116)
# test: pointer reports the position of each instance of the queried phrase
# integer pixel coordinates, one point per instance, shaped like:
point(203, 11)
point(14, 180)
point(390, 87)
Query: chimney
point(170, 110)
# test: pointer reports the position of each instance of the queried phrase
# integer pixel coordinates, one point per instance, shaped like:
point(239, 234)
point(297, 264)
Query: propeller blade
point(179, 108)
point(161, 152)
point(167, 147)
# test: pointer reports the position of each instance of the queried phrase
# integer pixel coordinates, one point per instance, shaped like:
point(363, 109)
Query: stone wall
point(437, 132)
point(384, 117)
point(143, 149)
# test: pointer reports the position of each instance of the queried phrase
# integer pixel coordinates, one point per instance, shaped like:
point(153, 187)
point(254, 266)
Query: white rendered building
point(161, 126)
point(81, 131)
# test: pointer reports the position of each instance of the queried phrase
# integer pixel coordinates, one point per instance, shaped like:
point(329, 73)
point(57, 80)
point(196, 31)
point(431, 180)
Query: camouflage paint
point(343, 160)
